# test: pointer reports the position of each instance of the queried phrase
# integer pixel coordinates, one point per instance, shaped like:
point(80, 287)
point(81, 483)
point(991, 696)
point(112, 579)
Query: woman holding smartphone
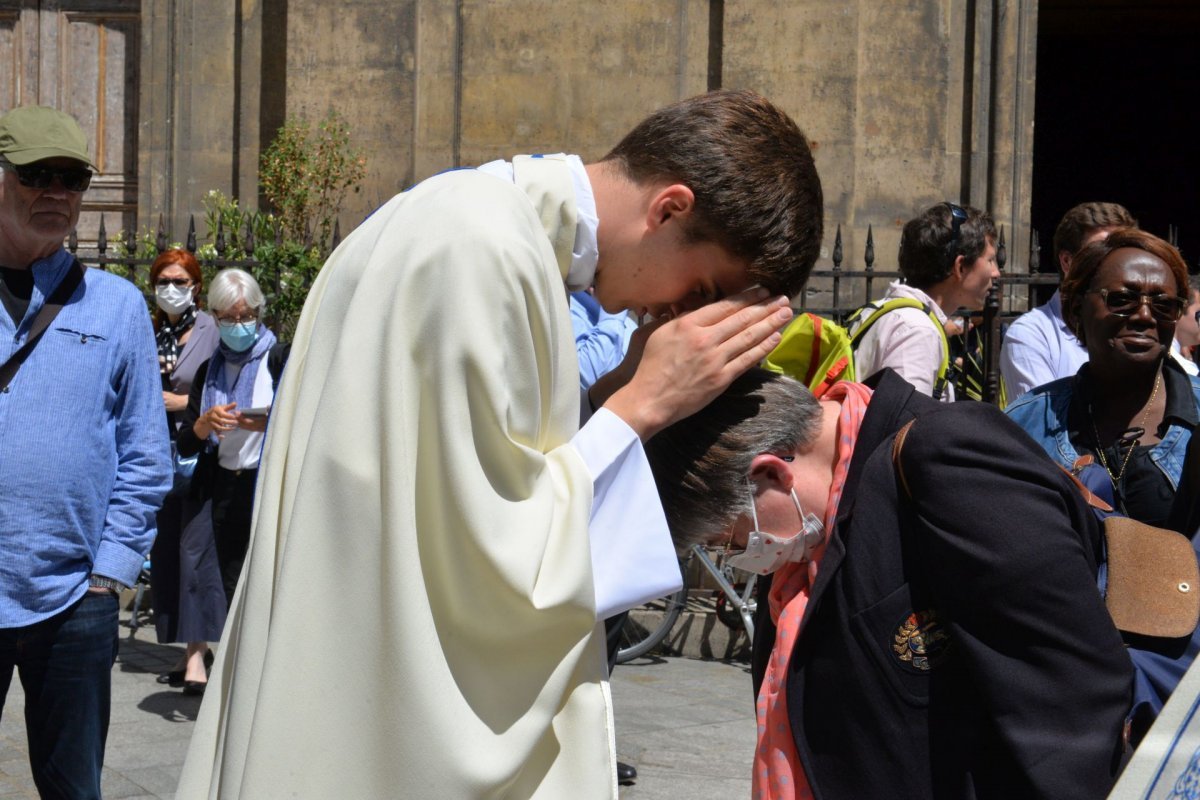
point(241, 376)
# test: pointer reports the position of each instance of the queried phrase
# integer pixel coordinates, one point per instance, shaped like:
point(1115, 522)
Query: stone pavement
point(687, 725)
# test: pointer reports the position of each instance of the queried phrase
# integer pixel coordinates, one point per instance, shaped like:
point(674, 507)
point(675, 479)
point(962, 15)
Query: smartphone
point(255, 412)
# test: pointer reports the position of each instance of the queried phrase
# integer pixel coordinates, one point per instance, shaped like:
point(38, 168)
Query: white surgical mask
point(766, 552)
point(173, 299)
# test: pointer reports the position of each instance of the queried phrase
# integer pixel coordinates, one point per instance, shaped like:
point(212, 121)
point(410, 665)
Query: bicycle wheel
point(642, 632)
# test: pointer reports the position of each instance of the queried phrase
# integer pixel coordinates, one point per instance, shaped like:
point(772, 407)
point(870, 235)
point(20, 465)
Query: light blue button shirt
point(1039, 348)
point(601, 339)
point(84, 452)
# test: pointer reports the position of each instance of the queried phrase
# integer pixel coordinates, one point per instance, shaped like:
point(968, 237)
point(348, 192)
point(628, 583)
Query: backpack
point(814, 351)
point(867, 315)
point(819, 352)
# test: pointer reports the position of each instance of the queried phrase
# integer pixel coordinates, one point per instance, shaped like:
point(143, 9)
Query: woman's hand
point(175, 402)
point(220, 419)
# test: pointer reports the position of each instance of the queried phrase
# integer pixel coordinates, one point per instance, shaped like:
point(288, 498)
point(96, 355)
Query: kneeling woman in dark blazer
point(226, 414)
point(933, 627)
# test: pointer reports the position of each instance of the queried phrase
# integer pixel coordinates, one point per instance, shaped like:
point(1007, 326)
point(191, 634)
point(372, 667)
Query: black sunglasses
point(40, 176)
point(1125, 303)
point(957, 217)
point(181, 282)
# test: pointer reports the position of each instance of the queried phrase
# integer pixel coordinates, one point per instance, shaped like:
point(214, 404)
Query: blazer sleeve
point(1013, 550)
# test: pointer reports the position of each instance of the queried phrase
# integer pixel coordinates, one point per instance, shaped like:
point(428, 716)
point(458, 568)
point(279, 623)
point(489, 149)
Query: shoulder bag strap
point(58, 298)
point(897, 447)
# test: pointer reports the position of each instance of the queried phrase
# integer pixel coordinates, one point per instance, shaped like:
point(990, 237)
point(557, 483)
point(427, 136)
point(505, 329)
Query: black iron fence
point(832, 293)
point(283, 268)
point(134, 262)
point(836, 292)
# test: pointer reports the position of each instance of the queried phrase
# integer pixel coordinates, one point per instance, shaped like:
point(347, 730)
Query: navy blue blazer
point(955, 644)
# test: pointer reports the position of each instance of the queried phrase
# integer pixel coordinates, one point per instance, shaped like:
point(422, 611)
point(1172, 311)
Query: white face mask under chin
point(766, 552)
point(173, 299)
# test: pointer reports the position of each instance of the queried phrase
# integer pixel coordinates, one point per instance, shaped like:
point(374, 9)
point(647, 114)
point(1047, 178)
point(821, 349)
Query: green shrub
point(305, 175)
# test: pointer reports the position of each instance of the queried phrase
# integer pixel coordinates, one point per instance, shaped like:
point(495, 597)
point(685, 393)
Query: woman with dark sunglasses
point(1130, 408)
point(1124, 421)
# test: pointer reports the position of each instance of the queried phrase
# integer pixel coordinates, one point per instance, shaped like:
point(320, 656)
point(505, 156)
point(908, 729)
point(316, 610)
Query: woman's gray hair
point(232, 285)
point(701, 464)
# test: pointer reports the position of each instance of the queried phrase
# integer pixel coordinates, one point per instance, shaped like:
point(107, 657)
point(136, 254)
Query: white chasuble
point(416, 616)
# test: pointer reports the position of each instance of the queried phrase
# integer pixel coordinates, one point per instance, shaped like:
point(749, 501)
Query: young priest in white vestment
point(434, 531)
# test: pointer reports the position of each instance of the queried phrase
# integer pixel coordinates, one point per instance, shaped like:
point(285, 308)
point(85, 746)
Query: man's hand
point(689, 360)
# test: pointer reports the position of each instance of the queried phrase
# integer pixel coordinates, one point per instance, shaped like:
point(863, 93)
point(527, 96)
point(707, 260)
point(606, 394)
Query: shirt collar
point(898, 289)
point(586, 252)
point(1181, 404)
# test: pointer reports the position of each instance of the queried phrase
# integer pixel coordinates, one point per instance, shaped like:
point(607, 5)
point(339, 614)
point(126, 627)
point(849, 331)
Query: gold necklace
point(1125, 462)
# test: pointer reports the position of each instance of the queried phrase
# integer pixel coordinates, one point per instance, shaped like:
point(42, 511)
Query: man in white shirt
point(1038, 347)
point(948, 261)
point(1187, 330)
point(433, 530)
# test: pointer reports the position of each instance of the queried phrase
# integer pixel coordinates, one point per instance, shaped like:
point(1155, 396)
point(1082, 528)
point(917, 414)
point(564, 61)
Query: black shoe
point(175, 677)
point(626, 773)
point(194, 688)
point(172, 678)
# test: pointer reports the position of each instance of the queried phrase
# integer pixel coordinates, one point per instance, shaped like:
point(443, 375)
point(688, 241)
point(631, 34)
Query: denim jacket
point(1043, 414)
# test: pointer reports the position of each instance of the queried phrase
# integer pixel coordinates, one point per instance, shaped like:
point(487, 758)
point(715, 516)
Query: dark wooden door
point(81, 57)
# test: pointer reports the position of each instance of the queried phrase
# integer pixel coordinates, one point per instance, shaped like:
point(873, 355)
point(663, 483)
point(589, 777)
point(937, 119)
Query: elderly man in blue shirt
point(85, 460)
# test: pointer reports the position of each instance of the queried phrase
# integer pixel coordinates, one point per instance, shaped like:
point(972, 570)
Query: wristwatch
point(101, 582)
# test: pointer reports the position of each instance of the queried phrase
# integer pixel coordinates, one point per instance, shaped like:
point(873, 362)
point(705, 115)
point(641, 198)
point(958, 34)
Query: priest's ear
point(669, 203)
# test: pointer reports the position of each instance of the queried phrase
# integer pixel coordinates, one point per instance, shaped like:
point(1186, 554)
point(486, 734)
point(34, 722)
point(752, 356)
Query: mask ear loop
point(811, 538)
point(753, 516)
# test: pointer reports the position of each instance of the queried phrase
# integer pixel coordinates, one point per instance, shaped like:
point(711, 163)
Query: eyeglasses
point(957, 217)
point(237, 320)
point(40, 176)
point(182, 283)
point(1125, 303)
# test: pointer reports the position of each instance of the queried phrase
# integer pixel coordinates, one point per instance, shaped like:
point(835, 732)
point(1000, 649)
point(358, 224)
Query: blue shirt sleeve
point(143, 457)
point(601, 339)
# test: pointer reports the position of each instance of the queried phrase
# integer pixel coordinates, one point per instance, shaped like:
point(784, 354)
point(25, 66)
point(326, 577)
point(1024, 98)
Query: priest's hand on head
point(687, 361)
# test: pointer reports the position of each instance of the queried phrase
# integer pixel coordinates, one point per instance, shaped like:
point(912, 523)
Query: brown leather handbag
point(1153, 578)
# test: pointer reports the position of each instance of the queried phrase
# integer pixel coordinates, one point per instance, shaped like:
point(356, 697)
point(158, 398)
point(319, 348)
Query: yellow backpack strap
point(939, 379)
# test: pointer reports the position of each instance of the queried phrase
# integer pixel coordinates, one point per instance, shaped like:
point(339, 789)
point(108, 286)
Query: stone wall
point(907, 103)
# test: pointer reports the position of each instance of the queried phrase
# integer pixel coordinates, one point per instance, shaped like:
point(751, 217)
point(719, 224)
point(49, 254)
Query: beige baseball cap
point(33, 133)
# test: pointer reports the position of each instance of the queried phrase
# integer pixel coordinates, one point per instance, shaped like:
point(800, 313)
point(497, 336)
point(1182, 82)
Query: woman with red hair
point(188, 601)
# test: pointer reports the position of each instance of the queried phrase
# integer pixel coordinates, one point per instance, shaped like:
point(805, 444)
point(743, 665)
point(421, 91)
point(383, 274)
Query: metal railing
point(244, 240)
point(847, 289)
point(1005, 300)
